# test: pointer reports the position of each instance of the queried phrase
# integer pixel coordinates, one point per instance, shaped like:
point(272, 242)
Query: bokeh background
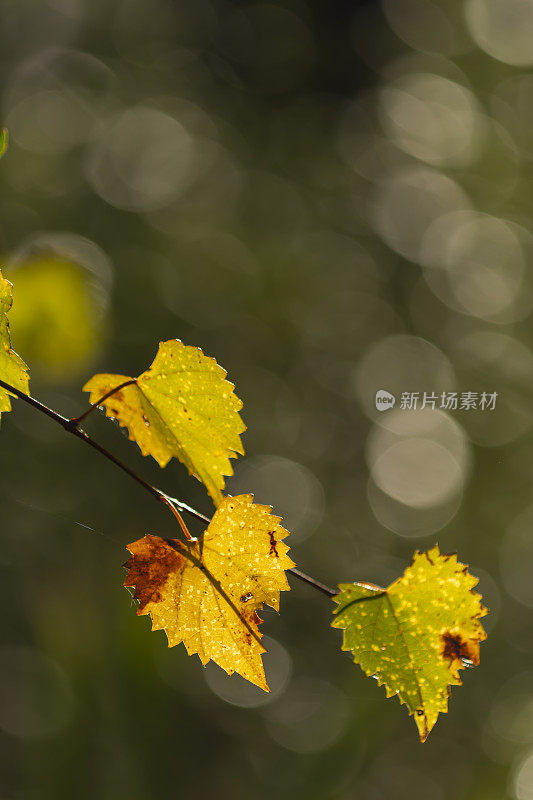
point(331, 199)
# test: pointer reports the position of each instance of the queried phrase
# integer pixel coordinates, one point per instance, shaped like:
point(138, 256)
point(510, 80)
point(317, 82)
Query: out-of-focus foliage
point(13, 370)
point(335, 198)
point(415, 636)
point(182, 406)
point(3, 141)
point(56, 318)
point(207, 593)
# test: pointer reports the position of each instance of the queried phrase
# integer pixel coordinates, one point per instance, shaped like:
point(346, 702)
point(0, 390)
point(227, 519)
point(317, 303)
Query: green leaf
point(181, 407)
point(13, 370)
point(4, 137)
point(415, 636)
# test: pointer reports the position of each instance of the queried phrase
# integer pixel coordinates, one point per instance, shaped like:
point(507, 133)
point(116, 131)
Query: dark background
point(331, 199)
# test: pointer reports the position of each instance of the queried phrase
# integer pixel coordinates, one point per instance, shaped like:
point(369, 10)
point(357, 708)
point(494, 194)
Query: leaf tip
point(421, 722)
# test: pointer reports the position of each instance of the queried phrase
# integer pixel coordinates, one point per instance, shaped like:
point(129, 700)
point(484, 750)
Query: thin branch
point(179, 504)
point(70, 425)
point(321, 587)
point(76, 420)
point(311, 581)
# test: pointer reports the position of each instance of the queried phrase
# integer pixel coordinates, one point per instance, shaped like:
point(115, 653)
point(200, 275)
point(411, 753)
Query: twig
point(188, 509)
point(311, 581)
point(71, 426)
point(76, 420)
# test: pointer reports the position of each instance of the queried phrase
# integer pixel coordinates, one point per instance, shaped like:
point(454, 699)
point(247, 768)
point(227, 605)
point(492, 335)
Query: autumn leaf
point(182, 406)
point(13, 370)
point(415, 636)
point(206, 593)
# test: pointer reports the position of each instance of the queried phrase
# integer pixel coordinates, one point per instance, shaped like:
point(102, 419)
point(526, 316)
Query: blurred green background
point(331, 199)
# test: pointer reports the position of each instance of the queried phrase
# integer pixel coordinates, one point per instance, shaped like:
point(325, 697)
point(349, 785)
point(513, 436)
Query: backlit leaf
point(13, 370)
point(206, 593)
point(415, 636)
point(182, 406)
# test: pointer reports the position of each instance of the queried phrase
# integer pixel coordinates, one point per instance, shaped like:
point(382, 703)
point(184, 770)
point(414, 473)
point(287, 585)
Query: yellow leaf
point(415, 636)
point(182, 406)
point(206, 593)
point(13, 370)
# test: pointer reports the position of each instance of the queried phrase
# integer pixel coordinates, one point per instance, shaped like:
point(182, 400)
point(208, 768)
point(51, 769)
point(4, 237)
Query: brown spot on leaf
point(455, 648)
point(273, 548)
point(152, 561)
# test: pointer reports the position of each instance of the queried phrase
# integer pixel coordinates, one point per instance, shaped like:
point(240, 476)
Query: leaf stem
point(76, 420)
point(71, 426)
point(178, 516)
point(379, 594)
